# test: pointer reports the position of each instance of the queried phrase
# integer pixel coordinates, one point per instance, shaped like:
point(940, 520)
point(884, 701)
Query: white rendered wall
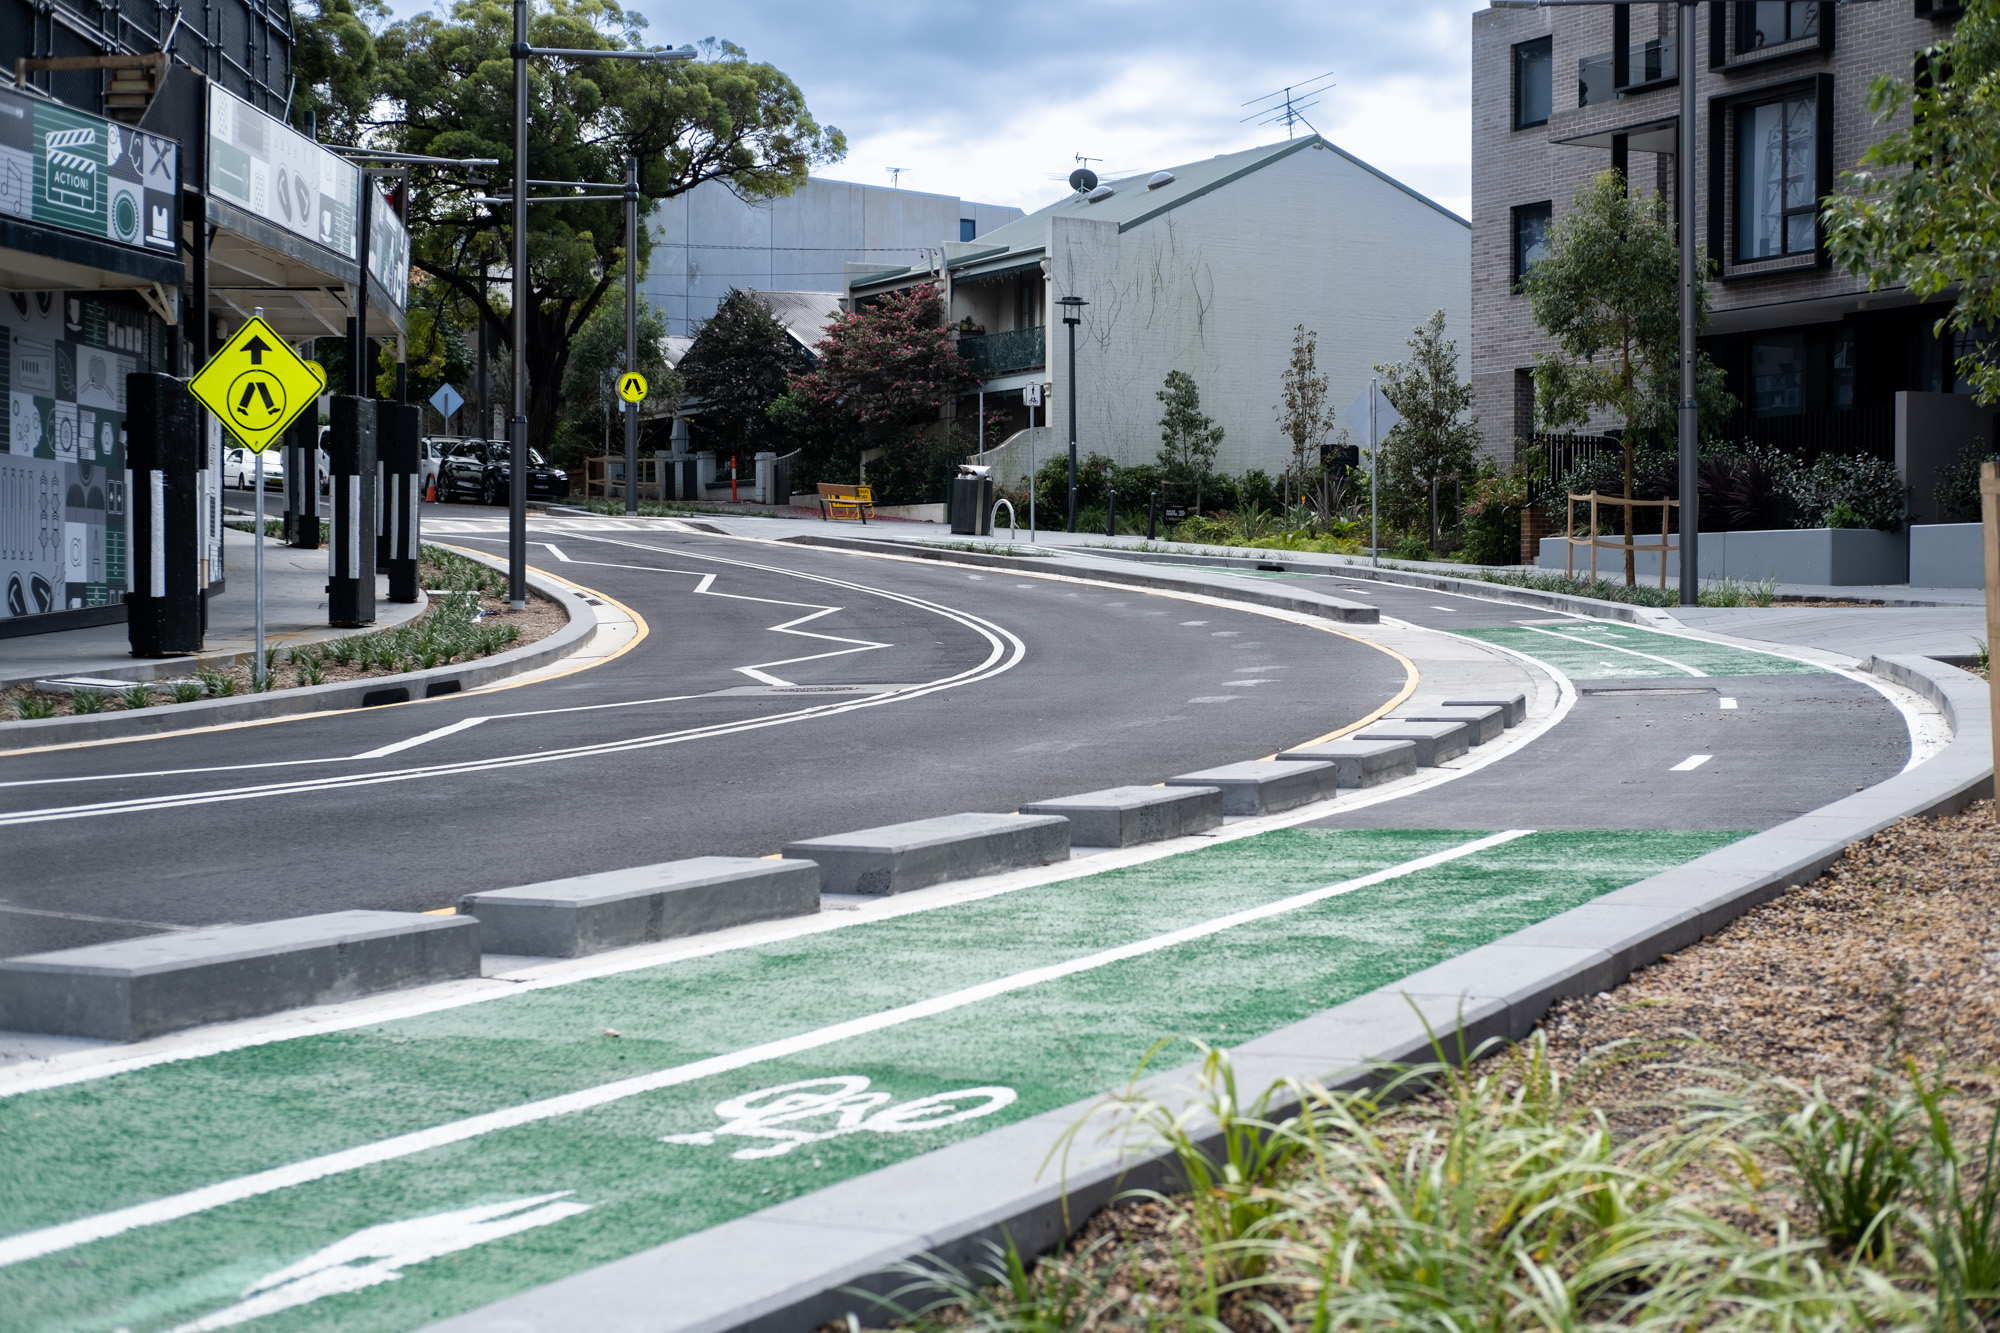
point(1215, 287)
point(708, 241)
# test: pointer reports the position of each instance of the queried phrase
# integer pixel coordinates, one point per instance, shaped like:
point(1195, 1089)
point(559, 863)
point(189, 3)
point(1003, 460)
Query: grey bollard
point(350, 584)
point(400, 474)
point(164, 450)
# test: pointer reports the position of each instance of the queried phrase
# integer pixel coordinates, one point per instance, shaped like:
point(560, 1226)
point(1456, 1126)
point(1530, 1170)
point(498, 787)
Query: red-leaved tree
point(884, 373)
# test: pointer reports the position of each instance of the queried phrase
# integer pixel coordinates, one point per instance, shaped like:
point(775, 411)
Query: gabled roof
point(805, 315)
point(1130, 204)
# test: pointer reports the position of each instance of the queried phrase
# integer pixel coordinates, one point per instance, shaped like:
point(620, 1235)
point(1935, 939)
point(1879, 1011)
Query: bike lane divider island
point(392, 1174)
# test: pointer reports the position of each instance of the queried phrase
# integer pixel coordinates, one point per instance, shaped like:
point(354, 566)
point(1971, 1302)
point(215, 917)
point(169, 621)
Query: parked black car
point(478, 469)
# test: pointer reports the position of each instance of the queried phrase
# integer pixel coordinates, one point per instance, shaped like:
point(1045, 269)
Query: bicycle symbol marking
point(778, 1115)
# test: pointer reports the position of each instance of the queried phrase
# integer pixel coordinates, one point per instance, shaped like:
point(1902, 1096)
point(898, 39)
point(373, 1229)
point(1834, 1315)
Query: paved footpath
point(431, 1158)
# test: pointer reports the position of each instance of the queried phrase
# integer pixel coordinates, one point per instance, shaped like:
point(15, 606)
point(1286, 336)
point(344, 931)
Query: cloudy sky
point(993, 101)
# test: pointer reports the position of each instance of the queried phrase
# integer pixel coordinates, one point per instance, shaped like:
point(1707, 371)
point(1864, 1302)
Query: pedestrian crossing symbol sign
point(632, 387)
point(256, 385)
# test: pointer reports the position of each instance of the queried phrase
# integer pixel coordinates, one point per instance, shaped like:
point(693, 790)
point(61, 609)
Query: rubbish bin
point(972, 500)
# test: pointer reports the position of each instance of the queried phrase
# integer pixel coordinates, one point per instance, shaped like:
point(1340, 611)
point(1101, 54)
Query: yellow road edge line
point(496, 687)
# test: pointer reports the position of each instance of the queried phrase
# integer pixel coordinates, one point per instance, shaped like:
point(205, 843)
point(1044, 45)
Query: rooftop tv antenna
point(1288, 105)
point(896, 177)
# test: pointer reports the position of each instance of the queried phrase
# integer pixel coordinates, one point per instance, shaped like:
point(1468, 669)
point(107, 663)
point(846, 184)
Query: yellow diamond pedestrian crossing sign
point(632, 387)
point(256, 385)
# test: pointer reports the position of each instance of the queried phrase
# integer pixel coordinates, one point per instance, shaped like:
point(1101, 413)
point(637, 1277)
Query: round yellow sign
point(632, 387)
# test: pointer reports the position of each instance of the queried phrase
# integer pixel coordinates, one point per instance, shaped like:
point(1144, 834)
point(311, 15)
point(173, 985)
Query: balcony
point(1600, 80)
point(996, 354)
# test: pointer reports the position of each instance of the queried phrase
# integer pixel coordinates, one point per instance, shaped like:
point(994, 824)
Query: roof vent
point(1160, 178)
point(1101, 192)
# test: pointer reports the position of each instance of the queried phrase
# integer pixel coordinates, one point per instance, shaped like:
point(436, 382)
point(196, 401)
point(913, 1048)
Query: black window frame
point(1941, 10)
point(1515, 262)
point(1725, 51)
point(1547, 42)
point(1723, 177)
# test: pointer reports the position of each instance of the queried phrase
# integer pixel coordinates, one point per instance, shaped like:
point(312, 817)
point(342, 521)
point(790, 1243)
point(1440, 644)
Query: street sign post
point(1371, 415)
point(632, 387)
point(447, 401)
point(257, 386)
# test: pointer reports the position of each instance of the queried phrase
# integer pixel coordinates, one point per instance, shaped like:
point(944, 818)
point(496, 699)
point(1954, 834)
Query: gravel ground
point(1895, 952)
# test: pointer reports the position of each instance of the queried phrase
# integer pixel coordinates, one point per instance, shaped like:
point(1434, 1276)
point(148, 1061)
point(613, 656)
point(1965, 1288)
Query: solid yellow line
point(495, 688)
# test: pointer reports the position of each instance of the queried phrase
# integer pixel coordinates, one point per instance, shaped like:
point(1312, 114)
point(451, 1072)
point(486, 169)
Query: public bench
point(837, 501)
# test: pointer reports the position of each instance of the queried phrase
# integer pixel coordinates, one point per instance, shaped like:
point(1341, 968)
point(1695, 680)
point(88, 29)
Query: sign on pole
point(256, 385)
point(632, 387)
point(1371, 415)
point(447, 401)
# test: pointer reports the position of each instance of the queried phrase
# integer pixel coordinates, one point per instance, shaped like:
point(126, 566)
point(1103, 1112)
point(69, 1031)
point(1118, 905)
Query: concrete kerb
point(796, 1266)
point(453, 679)
point(1307, 603)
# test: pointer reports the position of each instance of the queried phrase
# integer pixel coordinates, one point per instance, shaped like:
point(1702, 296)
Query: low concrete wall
point(1841, 556)
point(1946, 555)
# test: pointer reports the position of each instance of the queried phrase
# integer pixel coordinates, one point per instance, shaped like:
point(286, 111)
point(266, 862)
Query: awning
point(303, 287)
point(994, 275)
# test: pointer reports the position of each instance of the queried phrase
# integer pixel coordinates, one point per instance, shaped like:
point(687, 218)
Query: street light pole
point(1072, 316)
point(632, 333)
point(517, 423)
point(1690, 423)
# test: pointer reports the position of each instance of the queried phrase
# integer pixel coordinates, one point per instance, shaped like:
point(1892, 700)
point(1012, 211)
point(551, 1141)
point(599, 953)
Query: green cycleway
point(1584, 650)
point(423, 1234)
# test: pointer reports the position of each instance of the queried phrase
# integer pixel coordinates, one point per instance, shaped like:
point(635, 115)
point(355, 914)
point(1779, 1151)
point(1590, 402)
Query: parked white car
point(239, 469)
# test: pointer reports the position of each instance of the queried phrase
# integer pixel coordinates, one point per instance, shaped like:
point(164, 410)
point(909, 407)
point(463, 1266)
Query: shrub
point(1957, 491)
point(32, 706)
point(88, 701)
point(1865, 490)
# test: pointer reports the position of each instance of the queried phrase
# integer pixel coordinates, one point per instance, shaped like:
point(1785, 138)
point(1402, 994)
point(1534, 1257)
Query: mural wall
point(64, 357)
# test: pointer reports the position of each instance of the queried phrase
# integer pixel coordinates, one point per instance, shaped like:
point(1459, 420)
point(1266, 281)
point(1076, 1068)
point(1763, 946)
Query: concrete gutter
point(798, 1265)
point(1255, 594)
point(161, 719)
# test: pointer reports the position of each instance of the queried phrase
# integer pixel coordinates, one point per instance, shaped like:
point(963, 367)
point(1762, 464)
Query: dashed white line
point(1691, 763)
point(557, 552)
point(1728, 705)
point(424, 739)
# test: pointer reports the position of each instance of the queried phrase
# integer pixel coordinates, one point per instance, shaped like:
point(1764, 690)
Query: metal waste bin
point(972, 500)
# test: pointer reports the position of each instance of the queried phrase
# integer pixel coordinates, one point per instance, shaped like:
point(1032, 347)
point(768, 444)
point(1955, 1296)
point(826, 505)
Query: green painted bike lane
point(430, 1232)
point(1592, 651)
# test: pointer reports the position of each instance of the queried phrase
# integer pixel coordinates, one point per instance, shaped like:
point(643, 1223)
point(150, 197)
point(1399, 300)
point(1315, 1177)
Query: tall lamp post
point(517, 424)
point(1072, 316)
point(1684, 177)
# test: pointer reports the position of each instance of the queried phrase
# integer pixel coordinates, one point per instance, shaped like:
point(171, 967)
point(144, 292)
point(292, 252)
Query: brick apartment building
point(1818, 362)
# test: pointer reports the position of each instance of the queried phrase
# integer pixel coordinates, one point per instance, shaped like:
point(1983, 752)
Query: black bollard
point(164, 450)
point(351, 468)
point(1152, 515)
point(397, 427)
point(1110, 512)
point(302, 481)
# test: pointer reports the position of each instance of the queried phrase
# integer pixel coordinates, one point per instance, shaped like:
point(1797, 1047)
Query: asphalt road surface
point(754, 712)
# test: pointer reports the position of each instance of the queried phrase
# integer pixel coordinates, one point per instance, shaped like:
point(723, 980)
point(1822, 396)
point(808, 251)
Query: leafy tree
point(1920, 210)
point(596, 362)
point(1435, 439)
point(1608, 291)
point(1189, 437)
point(740, 361)
point(885, 373)
point(445, 87)
point(333, 59)
point(1304, 414)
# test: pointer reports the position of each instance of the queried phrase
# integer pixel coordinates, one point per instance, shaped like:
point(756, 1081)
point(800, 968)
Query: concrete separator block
point(1125, 816)
point(568, 918)
point(1528, 977)
point(899, 857)
point(1361, 763)
point(1486, 722)
point(130, 989)
point(1261, 787)
point(1436, 742)
point(1515, 704)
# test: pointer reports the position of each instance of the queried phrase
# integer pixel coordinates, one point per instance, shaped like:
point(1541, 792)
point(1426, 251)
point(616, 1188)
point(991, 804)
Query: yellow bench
point(837, 501)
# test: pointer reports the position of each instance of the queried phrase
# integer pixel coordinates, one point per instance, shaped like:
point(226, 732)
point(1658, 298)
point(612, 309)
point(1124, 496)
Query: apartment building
point(1818, 362)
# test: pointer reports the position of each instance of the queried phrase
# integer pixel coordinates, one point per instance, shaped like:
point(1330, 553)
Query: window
point(1531, 237)
point(1777, 179)
point(1774, 24)
point(968, 228)
point(1534, 82)
point(1778, 375)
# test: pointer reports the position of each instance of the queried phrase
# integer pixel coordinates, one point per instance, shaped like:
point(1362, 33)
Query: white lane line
point(557, 552)
point(1451, 609)
point(68, 1235)
point(1596, 643)
point(414, 741)
point(1691, 763)
point(1728, 705)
